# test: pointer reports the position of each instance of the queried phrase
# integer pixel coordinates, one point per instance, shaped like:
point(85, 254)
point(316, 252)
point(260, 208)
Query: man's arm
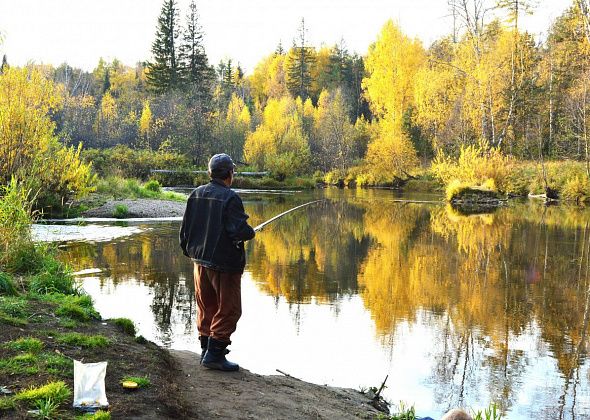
point(185, 226)
point(236, 221)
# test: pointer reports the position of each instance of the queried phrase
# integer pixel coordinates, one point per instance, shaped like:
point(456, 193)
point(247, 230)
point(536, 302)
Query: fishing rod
point(278, 216)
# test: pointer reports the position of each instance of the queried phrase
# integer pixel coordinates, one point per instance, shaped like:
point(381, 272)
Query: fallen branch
point(287, 375)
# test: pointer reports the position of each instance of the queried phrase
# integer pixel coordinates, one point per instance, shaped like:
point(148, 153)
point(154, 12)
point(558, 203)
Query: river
point(458, 310)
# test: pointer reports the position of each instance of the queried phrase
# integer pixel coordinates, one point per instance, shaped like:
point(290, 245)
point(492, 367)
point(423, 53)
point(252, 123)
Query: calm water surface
point(457, 310)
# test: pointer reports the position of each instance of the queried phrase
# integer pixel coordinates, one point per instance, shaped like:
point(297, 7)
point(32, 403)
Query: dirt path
point(245, 395)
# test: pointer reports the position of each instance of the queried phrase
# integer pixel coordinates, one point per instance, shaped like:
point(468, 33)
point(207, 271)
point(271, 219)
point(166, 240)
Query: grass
point(125, 325)
point(83, 340)
point(57, 391)
point(119, 188)
point(46, 408)
point(23, 364)
point(6, 403)
point(99, 415)
point(53, 277)
point(57, 364)
point(141, 381)
point(10, 320)
point(121, 211)
point(77, 311)
point(33, 364)
point(29, 344)
point(403, 413)
point(7, 286)
point(14, 306)
point(490, 413)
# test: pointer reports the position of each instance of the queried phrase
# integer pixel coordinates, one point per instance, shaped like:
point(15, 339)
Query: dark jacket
point(214, 227)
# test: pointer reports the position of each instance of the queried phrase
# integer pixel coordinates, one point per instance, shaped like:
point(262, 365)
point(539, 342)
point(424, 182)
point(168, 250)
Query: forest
point(487, 105)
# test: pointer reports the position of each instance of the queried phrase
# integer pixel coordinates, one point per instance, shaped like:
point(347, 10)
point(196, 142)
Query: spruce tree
point(196, 72)
point(4, 64)
point(299, 68)
point(163, 73)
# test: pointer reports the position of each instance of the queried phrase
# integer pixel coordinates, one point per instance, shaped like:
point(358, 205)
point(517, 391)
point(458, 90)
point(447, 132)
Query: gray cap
point(220, 164)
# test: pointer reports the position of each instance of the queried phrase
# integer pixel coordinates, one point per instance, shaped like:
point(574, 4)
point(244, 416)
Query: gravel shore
point(140, 208)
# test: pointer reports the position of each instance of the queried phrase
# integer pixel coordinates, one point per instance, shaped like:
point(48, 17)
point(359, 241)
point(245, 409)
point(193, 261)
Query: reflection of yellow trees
point(313, 253)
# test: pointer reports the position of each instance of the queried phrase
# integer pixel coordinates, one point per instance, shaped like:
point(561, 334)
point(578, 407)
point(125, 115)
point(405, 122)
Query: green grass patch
point(403, 413)
point(23, 364)
point(10, 320)
point(57, 364)
point(140, 339)
point(7, 286)
point(68, 323)
point(489, 413)
point(46, 408)
point(57, 391)
point(141, 381)
point(7, 403)
point(14, 306)
point(121, 211)
point(28, 344)
point(53, 277)
point(125, 325)
point(83, 340)
point(99, 415)
point(76, 311)
point(120, 188)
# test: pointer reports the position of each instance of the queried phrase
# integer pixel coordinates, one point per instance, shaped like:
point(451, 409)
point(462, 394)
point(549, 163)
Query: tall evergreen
point(196, 72)
point(164, 72)
point(4, 64)
point(299, 68)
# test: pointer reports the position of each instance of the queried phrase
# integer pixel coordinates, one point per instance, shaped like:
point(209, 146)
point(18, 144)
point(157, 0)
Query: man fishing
point(212, 234)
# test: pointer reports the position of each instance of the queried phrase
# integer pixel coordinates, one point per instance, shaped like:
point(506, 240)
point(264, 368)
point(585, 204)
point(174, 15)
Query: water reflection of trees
point(485, 280)
point(152, 258)
point(480, 282)
point(311, 255)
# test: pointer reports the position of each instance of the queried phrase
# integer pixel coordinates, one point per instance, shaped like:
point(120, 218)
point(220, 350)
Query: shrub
point(576, 189)
point(121, 211)
point(131, 163)
point(29, 148)
point(15, 222)
point(153, 185)
point(475, 166)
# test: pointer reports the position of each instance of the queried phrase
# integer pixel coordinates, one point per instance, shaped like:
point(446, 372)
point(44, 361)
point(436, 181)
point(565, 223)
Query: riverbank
point(41, 336)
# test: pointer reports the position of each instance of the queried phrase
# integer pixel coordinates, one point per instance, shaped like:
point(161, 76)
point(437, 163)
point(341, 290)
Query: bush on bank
point(29, 148)
point(133, 163)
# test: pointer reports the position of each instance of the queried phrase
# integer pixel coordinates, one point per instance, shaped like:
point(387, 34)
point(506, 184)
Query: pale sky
point(81, 31)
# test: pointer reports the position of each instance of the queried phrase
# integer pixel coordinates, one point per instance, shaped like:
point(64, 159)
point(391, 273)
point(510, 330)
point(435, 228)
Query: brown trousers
point(219, 299)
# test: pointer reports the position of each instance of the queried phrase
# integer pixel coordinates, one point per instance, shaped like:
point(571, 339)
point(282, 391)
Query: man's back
point(214, 228)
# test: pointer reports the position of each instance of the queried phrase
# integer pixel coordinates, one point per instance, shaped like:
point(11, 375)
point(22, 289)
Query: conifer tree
point(299, 68)
point(196, 72)
point(164, 73)
point(4, 64)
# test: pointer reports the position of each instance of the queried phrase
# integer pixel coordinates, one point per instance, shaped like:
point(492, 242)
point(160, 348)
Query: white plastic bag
point(89, 389)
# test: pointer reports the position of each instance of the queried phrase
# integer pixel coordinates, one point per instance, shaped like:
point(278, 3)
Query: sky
point(81, 31)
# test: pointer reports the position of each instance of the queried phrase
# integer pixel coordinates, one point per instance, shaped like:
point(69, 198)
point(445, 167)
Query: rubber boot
point(215, 357)
point(204, 342)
